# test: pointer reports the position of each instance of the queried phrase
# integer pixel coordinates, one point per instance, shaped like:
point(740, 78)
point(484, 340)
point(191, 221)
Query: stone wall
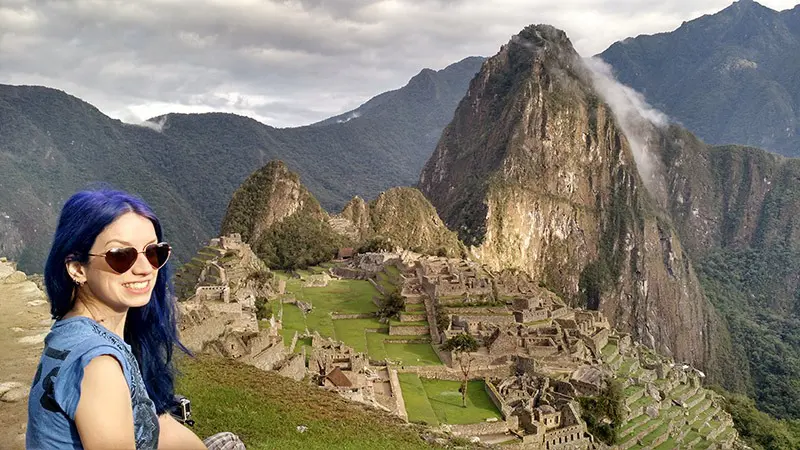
point(336, 316)
point(495, 319)
point(266, 358)
point(377, 286)
point(394, 382)
point(294, 342)
point(497, 399)
point(417, 330)
point(571, 438)
point(348, 273)
point(480, 429)
point(446, 373)
point(294, 367)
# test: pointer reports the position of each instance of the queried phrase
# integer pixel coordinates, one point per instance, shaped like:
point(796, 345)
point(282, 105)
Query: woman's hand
point(174, 435)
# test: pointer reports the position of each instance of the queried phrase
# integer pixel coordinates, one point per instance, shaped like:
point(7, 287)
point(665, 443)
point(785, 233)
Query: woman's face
point(132, 288)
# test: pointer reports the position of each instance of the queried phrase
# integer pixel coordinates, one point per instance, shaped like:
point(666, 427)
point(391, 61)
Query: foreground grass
point(265, 409)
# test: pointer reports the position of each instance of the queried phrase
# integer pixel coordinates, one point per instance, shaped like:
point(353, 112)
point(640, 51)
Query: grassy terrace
point(349, 297)
point(438, 401)
point(265, 409)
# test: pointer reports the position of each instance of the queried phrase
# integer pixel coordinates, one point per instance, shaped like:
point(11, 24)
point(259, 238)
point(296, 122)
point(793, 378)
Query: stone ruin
point(351, 374)
point(219, 317)
point(542, 412)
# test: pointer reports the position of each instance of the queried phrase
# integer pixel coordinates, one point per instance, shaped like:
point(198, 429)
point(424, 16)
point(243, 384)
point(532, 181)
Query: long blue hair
point(150, 330)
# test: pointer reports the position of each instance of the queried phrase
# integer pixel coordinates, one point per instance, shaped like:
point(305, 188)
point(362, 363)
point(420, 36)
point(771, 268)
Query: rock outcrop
point(534, 172)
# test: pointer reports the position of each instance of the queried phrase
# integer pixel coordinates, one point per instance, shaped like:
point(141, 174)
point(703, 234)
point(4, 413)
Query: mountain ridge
point(189, 169)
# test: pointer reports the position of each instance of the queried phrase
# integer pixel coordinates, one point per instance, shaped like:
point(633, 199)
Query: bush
point(300, 241)
point(263, 308)
point(604, 413)
point(392, 304)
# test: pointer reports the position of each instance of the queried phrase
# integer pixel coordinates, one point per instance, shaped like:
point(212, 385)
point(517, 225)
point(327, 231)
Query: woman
point(106, 375)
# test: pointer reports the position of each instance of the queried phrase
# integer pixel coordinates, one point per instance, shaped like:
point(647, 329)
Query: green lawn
point(351, 332)
point(417, 405)
point(348, 297)
point(412, 354)
point(445, 399)
point(265, 409)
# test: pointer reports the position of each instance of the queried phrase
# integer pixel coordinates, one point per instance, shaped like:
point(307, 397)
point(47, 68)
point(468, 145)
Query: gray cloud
point(285, 62)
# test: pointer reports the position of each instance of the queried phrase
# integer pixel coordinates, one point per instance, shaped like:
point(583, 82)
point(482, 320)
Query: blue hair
point(150, 330)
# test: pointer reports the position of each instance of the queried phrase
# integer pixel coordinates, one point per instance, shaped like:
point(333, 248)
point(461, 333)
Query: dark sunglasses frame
point(122, 259)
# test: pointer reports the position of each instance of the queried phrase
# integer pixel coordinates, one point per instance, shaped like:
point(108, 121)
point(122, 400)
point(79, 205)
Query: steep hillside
point(534, 172)
point(53, 144)
point(729, 77)
point(736, 209)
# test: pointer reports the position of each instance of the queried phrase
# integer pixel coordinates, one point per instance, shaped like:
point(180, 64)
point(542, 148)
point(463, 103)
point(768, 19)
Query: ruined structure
point(220, 316)
point(352, 375)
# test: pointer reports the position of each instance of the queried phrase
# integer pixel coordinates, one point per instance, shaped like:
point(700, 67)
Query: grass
point(445, 399)
point(264, 409)
point(412, 354)
point(669, 444)
point(349, 297)
point(418, 407)
point(352, 332)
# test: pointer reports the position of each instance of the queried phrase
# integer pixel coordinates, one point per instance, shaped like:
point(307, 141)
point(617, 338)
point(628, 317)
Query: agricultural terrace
point(439, 401)
point(367, 335)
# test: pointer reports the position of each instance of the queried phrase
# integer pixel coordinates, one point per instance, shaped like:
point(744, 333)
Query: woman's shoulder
point(81, 331)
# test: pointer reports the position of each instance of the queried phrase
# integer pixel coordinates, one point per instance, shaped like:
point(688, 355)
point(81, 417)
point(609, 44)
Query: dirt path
point(24, 322)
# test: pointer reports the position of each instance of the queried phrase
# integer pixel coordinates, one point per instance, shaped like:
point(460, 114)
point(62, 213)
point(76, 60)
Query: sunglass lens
point(121, 259)
point(157, 254)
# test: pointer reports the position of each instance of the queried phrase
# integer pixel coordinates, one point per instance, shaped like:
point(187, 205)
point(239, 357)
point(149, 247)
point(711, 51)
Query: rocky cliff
point(405, 218)
point(534, 172)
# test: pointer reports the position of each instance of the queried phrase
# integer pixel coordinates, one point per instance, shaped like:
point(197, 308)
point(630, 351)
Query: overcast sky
point(285, 62)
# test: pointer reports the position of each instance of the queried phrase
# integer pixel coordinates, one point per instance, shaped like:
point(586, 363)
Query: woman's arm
point(104, 415)
point(173, 435)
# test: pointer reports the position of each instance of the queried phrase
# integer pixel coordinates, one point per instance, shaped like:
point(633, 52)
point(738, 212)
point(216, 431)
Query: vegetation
point(604, 414)
point(758, 293)
point(230, 396)
point(263, 308)
point(758, 429)
point(462, 345)
point(298, 242)
point(393, 303)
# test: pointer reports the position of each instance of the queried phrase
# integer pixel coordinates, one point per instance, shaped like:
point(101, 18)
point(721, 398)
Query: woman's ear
point(75, 271)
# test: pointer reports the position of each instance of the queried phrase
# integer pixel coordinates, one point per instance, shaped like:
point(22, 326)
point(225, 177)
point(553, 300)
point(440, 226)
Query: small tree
point(462, 345)
point(392, 304)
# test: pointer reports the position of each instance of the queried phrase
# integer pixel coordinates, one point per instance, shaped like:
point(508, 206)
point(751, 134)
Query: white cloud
point(311, 58)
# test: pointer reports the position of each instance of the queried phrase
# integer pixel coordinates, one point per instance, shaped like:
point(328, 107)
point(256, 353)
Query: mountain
point(736, 209)
point(187, 166)
point(731, 77)
point(534, 172)
point(285, 226)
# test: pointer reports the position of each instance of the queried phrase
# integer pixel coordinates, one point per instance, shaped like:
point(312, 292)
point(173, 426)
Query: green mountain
point(53, 144)
point(731, 77)
point(736, 209)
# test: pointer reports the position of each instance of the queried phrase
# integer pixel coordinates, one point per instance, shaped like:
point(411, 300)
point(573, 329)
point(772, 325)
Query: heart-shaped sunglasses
point(122, 259)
